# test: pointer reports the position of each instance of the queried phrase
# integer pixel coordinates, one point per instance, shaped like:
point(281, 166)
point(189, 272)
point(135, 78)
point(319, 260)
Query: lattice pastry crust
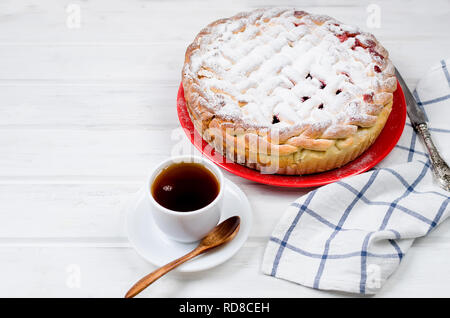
point(284, 91)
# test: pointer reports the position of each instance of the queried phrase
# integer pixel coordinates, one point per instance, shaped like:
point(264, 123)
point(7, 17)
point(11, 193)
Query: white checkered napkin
point(351, 235)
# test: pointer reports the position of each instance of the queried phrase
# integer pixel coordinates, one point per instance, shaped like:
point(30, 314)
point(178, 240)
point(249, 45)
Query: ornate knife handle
point(440, 167)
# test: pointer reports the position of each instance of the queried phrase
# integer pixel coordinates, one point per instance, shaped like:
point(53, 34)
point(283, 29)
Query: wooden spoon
point(221, 234)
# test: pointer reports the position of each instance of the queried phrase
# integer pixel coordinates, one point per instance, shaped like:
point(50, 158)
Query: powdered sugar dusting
point(280, 68)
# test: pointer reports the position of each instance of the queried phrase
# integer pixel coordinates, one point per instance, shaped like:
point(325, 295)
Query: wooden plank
point(81, 107)
point(136, 21)
point(135, 49)
point(109, 272)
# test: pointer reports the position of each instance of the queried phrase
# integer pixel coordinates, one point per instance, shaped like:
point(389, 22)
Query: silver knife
point(419, 123)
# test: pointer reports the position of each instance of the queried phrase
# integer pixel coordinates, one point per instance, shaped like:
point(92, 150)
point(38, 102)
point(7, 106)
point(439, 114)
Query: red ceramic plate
point(385, 142)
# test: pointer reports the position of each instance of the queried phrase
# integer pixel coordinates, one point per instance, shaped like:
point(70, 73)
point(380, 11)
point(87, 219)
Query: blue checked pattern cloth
point(351, 235)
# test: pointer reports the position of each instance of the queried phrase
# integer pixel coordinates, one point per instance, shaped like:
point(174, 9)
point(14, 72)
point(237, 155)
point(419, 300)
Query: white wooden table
point(87, 106)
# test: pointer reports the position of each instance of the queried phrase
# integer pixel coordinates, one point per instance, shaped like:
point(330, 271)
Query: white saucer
point(159, 250)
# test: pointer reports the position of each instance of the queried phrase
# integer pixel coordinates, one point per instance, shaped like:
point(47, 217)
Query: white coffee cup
point(192, 225)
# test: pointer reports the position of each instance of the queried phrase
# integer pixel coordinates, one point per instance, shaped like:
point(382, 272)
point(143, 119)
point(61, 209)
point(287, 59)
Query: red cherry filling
point(323, 85)
point(320, 106)
point(275, 119)
point(377, 69)
point(338, 92)
point(299, 14)
point(344, 36)
point(305, 98)
point(368, 98)
point(372, 50)
point(367, 44)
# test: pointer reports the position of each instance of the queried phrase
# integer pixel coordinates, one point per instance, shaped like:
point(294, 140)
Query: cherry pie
point(288, 92)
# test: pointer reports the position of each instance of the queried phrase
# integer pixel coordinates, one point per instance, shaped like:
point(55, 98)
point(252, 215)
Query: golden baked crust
point(283, 91)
